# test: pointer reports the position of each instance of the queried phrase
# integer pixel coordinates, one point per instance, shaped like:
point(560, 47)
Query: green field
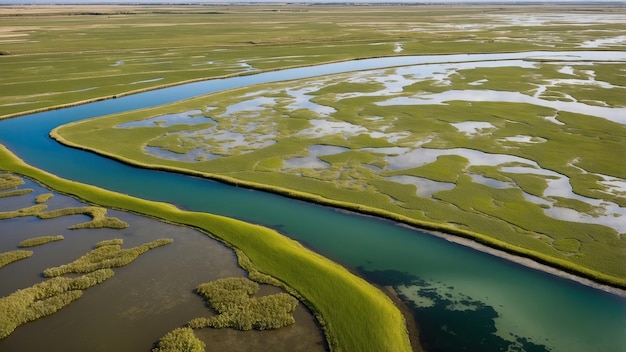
point(327, 288)
point(59, 56)
point(341, 140)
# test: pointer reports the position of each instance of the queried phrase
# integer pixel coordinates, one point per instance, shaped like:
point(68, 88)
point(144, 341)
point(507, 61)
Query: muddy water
point(144, 300)
point(462, 299)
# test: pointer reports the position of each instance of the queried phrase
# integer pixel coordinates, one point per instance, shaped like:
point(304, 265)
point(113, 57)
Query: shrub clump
point(12, 256)
point(28, 211)
point(44, 298)
point(8, 181)
point(97, 214)
point(38, 241)
point(231, 299)
point(180, 340)
point(42, 198)
point(107, 254)
point(16, 193)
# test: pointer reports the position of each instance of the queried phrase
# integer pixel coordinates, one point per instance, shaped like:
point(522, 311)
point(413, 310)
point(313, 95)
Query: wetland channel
point(462, 299)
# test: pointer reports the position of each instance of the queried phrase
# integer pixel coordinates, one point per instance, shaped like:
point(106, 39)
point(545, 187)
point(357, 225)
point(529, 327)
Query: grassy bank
point(57, 56)
point(502, 218)
point(560, 263)
point(356, 316)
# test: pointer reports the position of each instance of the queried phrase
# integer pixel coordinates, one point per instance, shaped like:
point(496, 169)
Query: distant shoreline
point(314, 3)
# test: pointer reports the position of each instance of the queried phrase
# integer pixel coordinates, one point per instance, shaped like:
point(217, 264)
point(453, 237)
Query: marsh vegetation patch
point(489, 159)
point(142, 301)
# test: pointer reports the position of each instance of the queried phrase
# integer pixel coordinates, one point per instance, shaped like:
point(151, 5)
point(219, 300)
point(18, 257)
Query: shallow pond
point(463, 299)
point(144, 300)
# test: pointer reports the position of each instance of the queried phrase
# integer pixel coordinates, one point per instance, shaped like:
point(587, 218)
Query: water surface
point(463, 299)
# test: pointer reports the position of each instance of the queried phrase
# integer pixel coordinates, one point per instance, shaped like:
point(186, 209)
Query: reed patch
point(38, 241)
point(13, 256)
point(44, 299)
point(107, 254)
point(231, 299)
point(97, 214)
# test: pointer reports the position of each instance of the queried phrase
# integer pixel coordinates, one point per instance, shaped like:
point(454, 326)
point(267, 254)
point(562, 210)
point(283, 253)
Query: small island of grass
point(38, 241)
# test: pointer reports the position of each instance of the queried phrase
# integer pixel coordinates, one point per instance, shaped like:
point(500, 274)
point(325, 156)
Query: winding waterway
point(463, 299)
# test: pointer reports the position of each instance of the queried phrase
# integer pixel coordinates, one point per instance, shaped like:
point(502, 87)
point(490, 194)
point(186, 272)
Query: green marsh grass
point(350, 34)
point(575, 204)
point(529, 183)
point(45, 298)
point(348, 182)
point(98, 215)
point(328, 289)
point(231, 299)
point(38, 241)
point(446, 168)
point(106, 255)
point(180, 340)
point(8, 181)
point(42, 198)
point(28, 211)
point(9, 257)
point(148, 42)
point(15, 193)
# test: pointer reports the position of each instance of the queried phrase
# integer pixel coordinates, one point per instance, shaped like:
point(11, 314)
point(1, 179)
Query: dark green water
point(464, 300)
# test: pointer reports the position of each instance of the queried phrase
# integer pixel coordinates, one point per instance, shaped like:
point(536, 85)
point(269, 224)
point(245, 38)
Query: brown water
point(144, 300)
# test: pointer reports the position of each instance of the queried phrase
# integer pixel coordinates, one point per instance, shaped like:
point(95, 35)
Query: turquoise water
point(464, 300)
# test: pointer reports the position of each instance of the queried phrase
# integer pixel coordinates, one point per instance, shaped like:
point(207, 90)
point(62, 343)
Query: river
point(463, 299)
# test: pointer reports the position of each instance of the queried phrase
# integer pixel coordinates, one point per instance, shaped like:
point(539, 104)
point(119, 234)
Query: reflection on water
point(191, 155)
point(471, 128)
point(543, 309)
point(491, 182)
point(524, 139)
point(454, 319)
point(558, 185)
point(301, 100)
point(256, 104)
point(613, 114)
point(425, 187)
point(596, 43)
point(312, 159)
point(191, 117)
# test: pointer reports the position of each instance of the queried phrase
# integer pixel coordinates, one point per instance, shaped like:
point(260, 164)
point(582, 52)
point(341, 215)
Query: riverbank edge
point(529, 263)
point(565, 268)
point(328, 289)
point(195, 80)
point(249, 73)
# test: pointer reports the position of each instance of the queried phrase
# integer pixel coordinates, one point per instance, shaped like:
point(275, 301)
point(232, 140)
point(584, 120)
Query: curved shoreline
point(471, 239)
point(329, 289)
point(249, 73)
point(529, 263)
point(180, 83)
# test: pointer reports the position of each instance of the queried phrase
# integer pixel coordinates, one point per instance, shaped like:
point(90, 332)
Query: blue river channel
point(462, 299)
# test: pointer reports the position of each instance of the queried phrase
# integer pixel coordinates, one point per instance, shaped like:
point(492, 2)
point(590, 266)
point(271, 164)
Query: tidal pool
point(467, 299)
point(191, 117)
point(312, 159)
point(425, 187)
point(613, 114)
